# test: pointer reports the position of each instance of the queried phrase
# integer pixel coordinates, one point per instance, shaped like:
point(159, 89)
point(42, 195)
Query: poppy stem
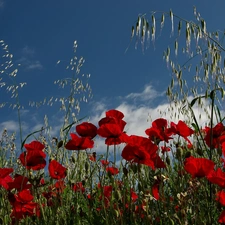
point(114, 150)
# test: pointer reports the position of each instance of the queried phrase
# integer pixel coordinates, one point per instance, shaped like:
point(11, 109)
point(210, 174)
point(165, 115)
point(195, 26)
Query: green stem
point(114, 150)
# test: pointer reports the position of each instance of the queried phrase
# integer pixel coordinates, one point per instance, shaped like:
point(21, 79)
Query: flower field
point(174, 174)
point(160, 178)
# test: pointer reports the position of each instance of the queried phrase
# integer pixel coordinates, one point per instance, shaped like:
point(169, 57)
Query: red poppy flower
point(222, 217)
point(104, 162)
point(158, 162)
point(217, 177)
point(34, 157)
point(112, 170)
point(56, 170)
point(223, 146)
point(137, 155)
point(165, 149)
point(49, 196)
point(78, 187)
point(54, 194)
point(59, 186)
point(92, 157)
point(19, 183)
point(24, 196)
point(110, 130)
point(180, 129)
point(140, 150)
point(23, 205)
point(34, 160)
point(113, 133)
point(86, 129)
point(220, 197)
point(198, 167)
point(157, 132)
point(115, 113)
point(34, 146)
point(5, 178)
point(111, 127)
point(107, 193)
point(216, 133)
point(155, 190)
point(79, 143)
point(4, 172)
point(133, 195)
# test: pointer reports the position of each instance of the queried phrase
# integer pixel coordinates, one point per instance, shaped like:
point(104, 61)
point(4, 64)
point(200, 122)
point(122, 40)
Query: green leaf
point(194, 126)
point(195, 99)
point(218, 111)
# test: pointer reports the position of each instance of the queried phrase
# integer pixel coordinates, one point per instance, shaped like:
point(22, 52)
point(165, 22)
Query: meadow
point(173, 175)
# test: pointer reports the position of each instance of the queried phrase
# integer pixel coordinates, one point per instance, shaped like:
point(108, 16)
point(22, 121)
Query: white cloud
point(12, 126)
point(27, 60)
point(34, 65)
point(28, 51)
point(148, 93)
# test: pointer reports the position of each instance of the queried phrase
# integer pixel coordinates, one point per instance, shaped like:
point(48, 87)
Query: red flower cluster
point(141, 150)
point(19, 183)
point(158, 131)
point(87, 132)
point(111, 127)
point(23, 205)
point(181, 129)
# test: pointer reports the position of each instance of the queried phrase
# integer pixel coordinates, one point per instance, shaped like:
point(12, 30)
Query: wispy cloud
point(29, 64)
point(28, 60)
point(12, 126)
point(148, 93)
point(34, 65)
point(28, 51)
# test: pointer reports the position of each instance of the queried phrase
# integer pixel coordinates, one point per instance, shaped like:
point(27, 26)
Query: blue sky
point(39, 33)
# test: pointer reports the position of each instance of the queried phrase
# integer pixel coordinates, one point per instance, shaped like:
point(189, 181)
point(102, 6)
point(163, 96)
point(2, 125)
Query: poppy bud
point(125, 171)
point(187, 154)
point(73, 159)
point(86, 166)
point(219, 151)
point(139, 186)
point(134, 168)
point(117, 214)
point(199, 151)
point(60, 144)
point(118, 194)
point(83, 182)
point(168, 160)
point(178, 153)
